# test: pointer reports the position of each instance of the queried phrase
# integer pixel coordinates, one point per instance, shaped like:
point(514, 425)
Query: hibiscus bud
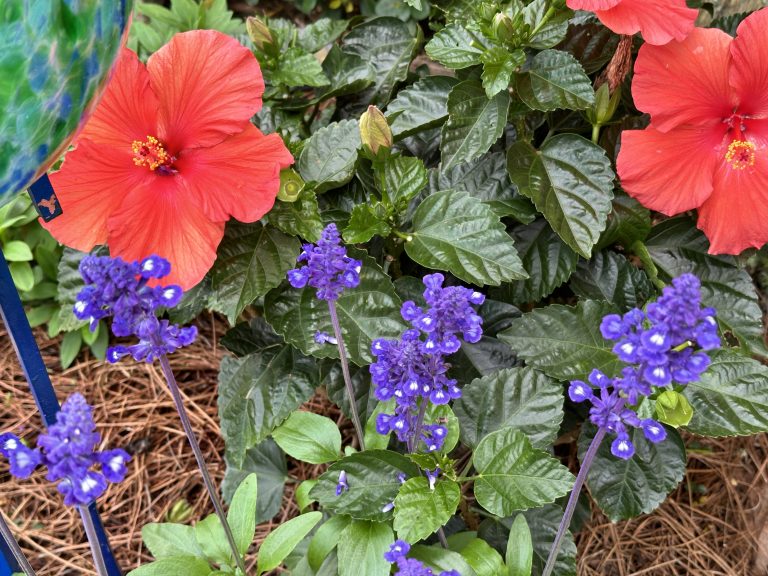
point(487, 11)
point(503, 27)
point(673, 408)
point(291, 185)
point(374, 130)
point(258, 32)
point(605, 105)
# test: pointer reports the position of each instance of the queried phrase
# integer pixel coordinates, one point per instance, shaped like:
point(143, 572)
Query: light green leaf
point(361, 549)
point(258, 392)
point(252, 259)
point(213, 540)
point(301, 494)
point(454, 47)
point(421, 106)
point(17, 251)
point(309, 437)
point(281, 541)
point(298, 68)
point(484, 559)
point(519, 556)
point(570, 181)
point(555, 28)
point(170, 540)
point(498, 66)
point(474, 123)
point(326, 539)
point(371, 310)
point(555, 79)
point(328, 158)
point(70, 348)
point(241, 515)
point(512, 475)
point(731, 398)
point(299, 218)
point(315, 35)
point(401, 179)
point(441, 559)
point(564, 342)
point(454, 232)
point(187, 565)
point(519, 398)
point(420, 511)
point(22, 275)
point(365, 222)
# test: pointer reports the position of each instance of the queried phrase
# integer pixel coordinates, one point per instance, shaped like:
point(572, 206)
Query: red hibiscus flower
point(659, 21)
point(707, 145)
point(169, 155)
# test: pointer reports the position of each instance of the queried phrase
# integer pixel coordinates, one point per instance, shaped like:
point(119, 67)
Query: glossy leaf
point(454, 47)
point(328, 158)
point(298, 68)
point(365, 222)
point(319, 33)
point(421, 106)
point(401, 179)
point(484, 559)
point(609, 276)
point(441, 559)
point(498, 66)
point(299, 218)
point(452, 231)
point(420, 511)
point(555, 79)
point(543, 523)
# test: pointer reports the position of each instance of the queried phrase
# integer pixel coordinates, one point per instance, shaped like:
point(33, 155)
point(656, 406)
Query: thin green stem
point(596, 133)
point(209, 485)
point(551, 11)
point(93, 541)
point(641, 251)
point(7, 535)
point(345, 372)
point(570, 508)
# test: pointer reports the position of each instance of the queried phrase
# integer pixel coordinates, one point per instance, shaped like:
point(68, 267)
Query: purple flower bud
point(398, 549)
point(653, 430)
point(621, 447)
point(342, 486)
point(579, 391)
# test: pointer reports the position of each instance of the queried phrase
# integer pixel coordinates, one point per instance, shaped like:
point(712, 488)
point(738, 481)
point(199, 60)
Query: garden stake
point(93, 541)
point(345, 372)
point(18, 328)
point(15, 549)
point(572, 501)
point(187, 425)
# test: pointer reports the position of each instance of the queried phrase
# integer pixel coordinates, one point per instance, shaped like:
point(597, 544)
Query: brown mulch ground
point(709, 527)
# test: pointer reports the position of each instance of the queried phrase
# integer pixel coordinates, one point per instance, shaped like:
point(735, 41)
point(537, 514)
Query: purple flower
point(69, 452)
point(342, 486)
point(119, 289)
point(410, 566)
point(328, 268)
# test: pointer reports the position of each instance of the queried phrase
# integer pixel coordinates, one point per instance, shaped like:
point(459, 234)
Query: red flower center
point(740, 154)
point(152, 154)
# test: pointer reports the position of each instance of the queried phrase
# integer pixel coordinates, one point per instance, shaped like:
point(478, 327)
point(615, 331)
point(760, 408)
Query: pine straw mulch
point(710, 526)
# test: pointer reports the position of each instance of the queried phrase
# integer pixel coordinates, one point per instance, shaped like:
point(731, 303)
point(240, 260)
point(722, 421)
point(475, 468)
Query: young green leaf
point(360, 549)
point(171, 540)
point(455, 47)
point(519, 556)
point(325, 540)
point(421, 106)
point(555, 79)
point(187, 565)
point(280, 542)
point(328, 158)
point(420, 510)
point(242, 513)
point(309, 437)
point(17, 251)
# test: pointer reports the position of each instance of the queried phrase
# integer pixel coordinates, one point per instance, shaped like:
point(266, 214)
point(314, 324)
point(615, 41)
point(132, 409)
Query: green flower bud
point(291, 185)
point(605, 105)
point(259, 32)
point(503, 27)
point(374, 130)
point(673, 408)
point(180, 512)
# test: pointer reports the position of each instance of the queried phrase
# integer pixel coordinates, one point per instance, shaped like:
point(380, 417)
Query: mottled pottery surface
point(54, 55)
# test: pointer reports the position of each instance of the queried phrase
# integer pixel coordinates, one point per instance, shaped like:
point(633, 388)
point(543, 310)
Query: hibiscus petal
point(659, 21)
point(685, 82)
point(161, 219)
point(92, 183)
point(749, 73)
point(670, 172)
point(591, 5)
point(209, 85)
point(239, 177)
point(735, 217)
point(128, 109)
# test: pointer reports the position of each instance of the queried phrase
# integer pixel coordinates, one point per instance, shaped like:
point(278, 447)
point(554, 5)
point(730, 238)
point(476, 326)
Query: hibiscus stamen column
point(120, 290)
point(330, 271)
point(7, 536)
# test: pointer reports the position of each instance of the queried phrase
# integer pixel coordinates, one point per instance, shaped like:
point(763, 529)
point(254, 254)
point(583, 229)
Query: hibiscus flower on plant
point(706, 145)
point(659, 21)
point(170, 155)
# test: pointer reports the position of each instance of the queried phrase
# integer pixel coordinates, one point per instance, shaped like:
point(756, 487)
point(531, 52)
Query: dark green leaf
point(369, 311)
point(628, 221)
point(267, 461)
point(553, 80)
point(70, 284)
point(474, 123)
point(373, 482)
point(193, 302)
point(480, 359)
point(731, 398)
point(361, 385)
point(519, 398)
point(570, 181)
point(547, 259)
point(609, 276)
point(360, 549)
point(249, 337)
point(252, 259)
point(401, 178)
point(453, 232)
point(258, 392)
point(544, 523)
point(512, 475)
point(562, 341)
point(309, 437)
point(348, 73)
point(627, 488)
point(365, 222)
point(168, 540)
point(281, 541)
point(299, 218)
point(298, 68)
point(328, 158)
point(420, 511)
point(421, 106)
point(454, 47)
point(592, 43)
point(318, 34)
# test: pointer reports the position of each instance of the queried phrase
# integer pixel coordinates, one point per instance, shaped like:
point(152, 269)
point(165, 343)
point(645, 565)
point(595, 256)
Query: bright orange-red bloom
point(659, 21)
point(707, 145)
point(169, 155)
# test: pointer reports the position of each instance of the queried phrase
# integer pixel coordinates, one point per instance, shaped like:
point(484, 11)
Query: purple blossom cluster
point(413, 369)
point(121, 290)
point(328, 268)
point(662, 346)
point(410, 566)
point(69, 452)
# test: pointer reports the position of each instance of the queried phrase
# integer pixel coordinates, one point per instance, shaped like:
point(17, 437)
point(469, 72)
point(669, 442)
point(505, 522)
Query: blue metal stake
point(8, 564)
point(32, 363)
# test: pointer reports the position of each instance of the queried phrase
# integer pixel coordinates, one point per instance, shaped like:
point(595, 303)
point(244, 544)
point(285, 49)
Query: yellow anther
point(150, 153)
point(740, 154)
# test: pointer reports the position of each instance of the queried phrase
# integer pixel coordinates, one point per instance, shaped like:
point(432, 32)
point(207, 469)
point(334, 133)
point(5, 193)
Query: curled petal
point(659, 21)
point(749, 72)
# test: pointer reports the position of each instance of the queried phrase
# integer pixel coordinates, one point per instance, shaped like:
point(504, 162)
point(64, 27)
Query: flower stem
point(345, 372)
point(7, 535)
point(414, 440)
point(595, 133)
point(93, 541)
point(641, 251)
point(586, 464)
point(187, 425)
